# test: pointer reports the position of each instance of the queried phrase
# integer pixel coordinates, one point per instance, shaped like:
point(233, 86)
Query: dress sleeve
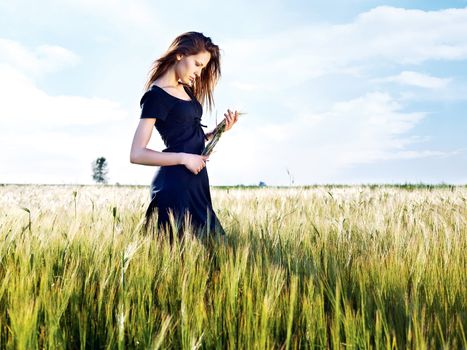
point(153, 105)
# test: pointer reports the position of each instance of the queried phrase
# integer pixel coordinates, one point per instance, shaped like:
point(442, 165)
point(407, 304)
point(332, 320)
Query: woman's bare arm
point(141, 155)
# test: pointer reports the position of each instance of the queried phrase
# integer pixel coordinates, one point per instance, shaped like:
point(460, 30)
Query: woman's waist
point(187, 148)
point(192, 143)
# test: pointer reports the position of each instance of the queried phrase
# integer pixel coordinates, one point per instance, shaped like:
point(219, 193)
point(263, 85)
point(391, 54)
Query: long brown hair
point(186, 44)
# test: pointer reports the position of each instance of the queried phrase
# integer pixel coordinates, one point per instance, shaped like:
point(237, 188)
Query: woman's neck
point(169, 80)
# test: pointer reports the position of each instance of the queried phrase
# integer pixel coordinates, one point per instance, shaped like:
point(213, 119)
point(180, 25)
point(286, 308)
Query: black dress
point(175, 189)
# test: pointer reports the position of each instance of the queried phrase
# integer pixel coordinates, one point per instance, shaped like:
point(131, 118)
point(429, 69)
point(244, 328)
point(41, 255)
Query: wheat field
point(359, 267)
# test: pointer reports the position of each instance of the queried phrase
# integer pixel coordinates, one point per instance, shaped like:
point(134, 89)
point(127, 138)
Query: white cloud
point(38, 61)
point(53, 138)
point(121, 14)
point(24, 102)
point(317, 147)
point(316, 144)
point(135, 12)
point(417, 79)
point(419, 154)
point(245, 86)
point(376, 37)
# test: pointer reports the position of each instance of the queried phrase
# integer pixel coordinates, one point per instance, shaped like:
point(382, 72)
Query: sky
point(341, 92)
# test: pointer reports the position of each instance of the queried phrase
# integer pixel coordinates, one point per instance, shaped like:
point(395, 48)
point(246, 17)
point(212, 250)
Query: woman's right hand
point(194, 162)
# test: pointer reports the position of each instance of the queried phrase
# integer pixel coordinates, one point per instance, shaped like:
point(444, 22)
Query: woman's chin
point(185, 82)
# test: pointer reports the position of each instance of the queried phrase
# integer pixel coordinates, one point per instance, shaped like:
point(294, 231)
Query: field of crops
point(319, 267)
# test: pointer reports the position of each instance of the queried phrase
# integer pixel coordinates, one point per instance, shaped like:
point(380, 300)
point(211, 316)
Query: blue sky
point(336, 92)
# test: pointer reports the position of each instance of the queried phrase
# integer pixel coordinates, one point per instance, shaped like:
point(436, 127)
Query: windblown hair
point(186, 44)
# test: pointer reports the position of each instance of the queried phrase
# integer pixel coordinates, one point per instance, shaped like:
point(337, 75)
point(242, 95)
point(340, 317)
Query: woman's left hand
point(230, 119)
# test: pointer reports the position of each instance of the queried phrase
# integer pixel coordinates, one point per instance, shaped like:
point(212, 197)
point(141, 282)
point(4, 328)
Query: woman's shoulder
point(155, 93)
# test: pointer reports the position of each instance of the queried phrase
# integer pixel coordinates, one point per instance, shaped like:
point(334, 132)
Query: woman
point(179, 82)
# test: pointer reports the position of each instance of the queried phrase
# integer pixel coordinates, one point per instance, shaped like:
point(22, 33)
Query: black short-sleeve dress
point(174, 188)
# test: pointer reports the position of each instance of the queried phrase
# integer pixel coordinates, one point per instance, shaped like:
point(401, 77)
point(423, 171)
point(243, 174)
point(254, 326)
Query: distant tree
point(262, 184)
point(100, 170)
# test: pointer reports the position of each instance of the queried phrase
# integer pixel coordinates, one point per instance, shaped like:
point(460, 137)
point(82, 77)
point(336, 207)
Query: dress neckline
point(178, 98)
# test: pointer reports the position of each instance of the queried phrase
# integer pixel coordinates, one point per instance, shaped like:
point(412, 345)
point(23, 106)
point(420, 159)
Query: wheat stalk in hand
point(216, 135)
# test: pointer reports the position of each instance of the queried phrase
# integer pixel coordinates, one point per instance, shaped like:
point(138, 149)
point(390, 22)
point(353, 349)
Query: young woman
point(179, 83)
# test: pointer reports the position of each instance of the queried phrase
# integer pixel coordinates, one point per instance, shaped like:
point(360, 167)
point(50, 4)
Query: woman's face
point(189, 68)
